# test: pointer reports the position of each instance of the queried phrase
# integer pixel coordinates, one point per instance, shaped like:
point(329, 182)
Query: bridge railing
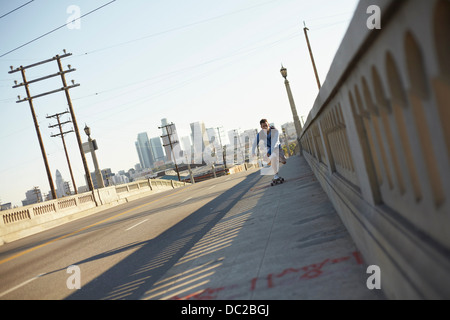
point(23, 221)
point(378, 140)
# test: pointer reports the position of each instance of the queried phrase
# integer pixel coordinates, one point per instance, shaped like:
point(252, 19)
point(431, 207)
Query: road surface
point(233, 237)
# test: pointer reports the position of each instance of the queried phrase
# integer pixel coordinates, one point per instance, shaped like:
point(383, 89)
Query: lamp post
point(92, 148)
point(305, 29)
point(298, 126)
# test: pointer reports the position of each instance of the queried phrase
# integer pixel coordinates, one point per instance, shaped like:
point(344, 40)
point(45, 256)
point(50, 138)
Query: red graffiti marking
point(307, 272)
point(314, 270)
point(340, 259)
point(358, 257)
point(287, 271)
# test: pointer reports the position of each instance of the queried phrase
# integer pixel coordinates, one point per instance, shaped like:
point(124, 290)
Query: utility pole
point(29, 98)
point(305, 29)
point(189, 169)
point(221, 145)
point(61, 133)
point(74, 120)
point(65, 88)
point(171, 143)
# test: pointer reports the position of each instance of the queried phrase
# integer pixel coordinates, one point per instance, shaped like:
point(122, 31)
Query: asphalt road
point(230, 238)
point(120, 241)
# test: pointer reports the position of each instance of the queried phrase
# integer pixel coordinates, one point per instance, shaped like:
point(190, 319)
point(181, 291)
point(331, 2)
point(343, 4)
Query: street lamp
point(298, 126)
point(92, 148)
point(87, 130)
point(283, 71)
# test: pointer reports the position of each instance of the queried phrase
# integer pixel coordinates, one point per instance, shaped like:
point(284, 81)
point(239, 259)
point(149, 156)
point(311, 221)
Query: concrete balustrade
point(378, 140)
point(24, 221)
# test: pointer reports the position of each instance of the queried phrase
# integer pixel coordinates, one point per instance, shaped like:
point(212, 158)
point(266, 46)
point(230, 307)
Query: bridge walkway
point(280, 242)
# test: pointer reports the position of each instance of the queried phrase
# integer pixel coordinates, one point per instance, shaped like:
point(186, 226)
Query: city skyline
point(216, 62)
point(64, 188)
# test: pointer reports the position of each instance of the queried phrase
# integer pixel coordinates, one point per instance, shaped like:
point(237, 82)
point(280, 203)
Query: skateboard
point(276, 181)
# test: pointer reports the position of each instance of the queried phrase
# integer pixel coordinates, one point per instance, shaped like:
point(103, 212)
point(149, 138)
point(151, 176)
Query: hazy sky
point(139, 61)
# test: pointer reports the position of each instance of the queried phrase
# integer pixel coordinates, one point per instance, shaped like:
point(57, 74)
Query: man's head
point(264, 124)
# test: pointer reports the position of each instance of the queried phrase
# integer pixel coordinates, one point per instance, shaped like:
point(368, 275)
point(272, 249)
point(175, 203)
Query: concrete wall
point(378, 140)
point(24, 221)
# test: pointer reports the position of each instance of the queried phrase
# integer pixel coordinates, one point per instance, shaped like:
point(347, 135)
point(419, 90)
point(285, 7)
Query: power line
point(177, 28)
point(139, 101)
point(331, 16)
point(56, 29)
point(16, 9)
point(324, 26)
point(243, 51)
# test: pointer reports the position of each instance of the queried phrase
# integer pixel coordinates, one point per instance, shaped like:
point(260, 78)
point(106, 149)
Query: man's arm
point(275, 139)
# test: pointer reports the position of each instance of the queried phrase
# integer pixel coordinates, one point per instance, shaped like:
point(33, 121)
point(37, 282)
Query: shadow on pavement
point(131, 278)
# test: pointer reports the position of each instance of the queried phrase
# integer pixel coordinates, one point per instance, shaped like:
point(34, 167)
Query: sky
point(139, 61)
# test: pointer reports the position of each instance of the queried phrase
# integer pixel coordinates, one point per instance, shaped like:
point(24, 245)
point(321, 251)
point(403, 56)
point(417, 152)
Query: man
point(271, 139)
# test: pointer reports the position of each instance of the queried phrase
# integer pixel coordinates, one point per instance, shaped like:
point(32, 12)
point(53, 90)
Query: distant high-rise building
point(186, 144)
point(83, 188)
point(59, 184)
point(199, 140)
point(238, 143)
point(231, 136)
point(119, 179)
point(184, 150)
point(32, 196)
point(289, 129)
point(214, 147)
point(67, 190)
point(107, 176)
point(144, 150)
point(248, 137)
point(157, 149)
point(94, 180)
point(211, 133)
point(5, 206)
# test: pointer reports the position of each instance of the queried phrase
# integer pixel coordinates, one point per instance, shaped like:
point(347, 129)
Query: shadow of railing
point(223, 249)
point(140, 271)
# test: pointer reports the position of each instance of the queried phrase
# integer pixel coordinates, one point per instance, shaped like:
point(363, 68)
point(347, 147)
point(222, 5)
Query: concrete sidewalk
point(276, 243)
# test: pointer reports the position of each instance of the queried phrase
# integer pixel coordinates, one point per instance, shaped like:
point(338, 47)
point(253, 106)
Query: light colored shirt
point(271, 140)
